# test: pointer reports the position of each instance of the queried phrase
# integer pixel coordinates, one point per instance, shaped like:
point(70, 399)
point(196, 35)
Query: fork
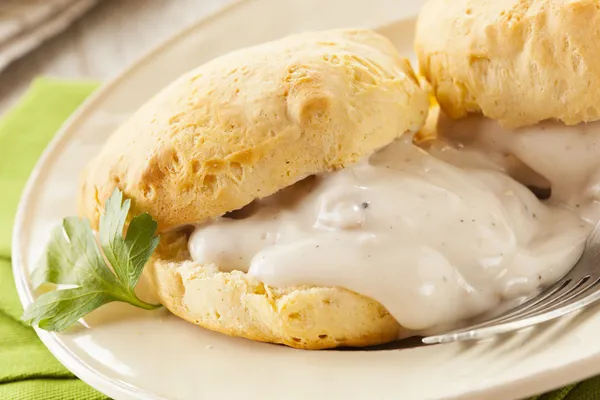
point(580, 287)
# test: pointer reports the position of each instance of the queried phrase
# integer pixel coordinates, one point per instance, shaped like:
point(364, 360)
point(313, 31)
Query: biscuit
point(254, 121)
point(243, 127)
point(518, 61)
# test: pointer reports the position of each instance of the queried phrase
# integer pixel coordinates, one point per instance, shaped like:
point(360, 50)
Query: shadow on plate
point(408, 343)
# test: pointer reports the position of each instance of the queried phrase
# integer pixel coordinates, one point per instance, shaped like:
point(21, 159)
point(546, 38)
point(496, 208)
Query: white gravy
point(435, 234)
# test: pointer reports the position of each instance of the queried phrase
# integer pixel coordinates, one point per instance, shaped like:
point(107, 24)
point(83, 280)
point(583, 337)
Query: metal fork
point(578, 288)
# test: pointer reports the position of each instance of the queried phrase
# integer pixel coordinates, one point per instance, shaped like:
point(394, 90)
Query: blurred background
point(93, 39)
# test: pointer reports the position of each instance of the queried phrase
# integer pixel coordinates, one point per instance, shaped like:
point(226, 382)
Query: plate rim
point(526, 386)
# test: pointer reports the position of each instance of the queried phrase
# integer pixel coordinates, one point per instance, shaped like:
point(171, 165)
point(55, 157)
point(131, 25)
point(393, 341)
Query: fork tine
point(552, 290)
point(570, 286)
point(571, 289)
point(577, 289)
point(582, 290)
point(587, 294)
point(514, 325)
point(582, 300)
point(564, 285)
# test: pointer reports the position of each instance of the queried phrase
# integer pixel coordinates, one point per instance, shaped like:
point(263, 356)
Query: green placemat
point(28, 371)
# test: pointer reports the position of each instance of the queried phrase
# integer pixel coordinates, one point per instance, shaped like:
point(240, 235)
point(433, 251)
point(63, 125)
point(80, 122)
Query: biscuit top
point(515, 61)
point(254, 121)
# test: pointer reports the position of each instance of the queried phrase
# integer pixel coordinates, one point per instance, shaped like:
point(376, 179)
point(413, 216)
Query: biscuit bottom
point(303, 317)
point(237, 304)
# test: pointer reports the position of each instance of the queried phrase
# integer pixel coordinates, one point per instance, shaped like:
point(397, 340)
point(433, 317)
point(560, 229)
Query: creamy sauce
point(565, 158)
point(436, 235)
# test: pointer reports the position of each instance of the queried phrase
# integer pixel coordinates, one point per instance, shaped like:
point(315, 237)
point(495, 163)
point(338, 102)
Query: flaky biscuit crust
point(254, 121)
point(242, 127)
point(517, 61)
point(237, 304)
point(303, 317)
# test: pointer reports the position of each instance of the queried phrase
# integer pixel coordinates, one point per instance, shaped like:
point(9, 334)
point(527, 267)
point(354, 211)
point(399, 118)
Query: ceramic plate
point(133, 354)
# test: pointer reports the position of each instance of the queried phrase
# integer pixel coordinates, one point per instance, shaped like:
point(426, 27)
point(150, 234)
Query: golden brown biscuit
point(254, 121)
point(516, 61)
point(304, 317)
point(243, 127)
point(236, 304)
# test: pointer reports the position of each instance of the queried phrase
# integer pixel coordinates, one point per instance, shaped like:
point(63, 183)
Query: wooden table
point(104, 41)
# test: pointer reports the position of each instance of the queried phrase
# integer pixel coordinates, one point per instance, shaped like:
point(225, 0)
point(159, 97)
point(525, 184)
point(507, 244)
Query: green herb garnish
point(75, 256)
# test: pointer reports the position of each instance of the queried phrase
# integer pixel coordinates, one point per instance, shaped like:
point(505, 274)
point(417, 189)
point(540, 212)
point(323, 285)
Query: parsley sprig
point(75, 256)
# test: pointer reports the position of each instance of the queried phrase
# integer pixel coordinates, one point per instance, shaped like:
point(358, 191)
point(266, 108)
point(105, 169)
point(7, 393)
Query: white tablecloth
point(25, 24)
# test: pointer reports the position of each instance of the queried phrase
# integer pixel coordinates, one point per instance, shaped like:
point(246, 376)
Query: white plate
point(133, 354)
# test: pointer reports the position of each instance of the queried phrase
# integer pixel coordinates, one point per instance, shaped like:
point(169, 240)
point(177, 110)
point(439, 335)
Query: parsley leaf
point(73, 257)
point(126, 255)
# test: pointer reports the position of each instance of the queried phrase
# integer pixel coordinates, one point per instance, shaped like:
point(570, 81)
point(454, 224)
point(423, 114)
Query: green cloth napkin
point(28, 371)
